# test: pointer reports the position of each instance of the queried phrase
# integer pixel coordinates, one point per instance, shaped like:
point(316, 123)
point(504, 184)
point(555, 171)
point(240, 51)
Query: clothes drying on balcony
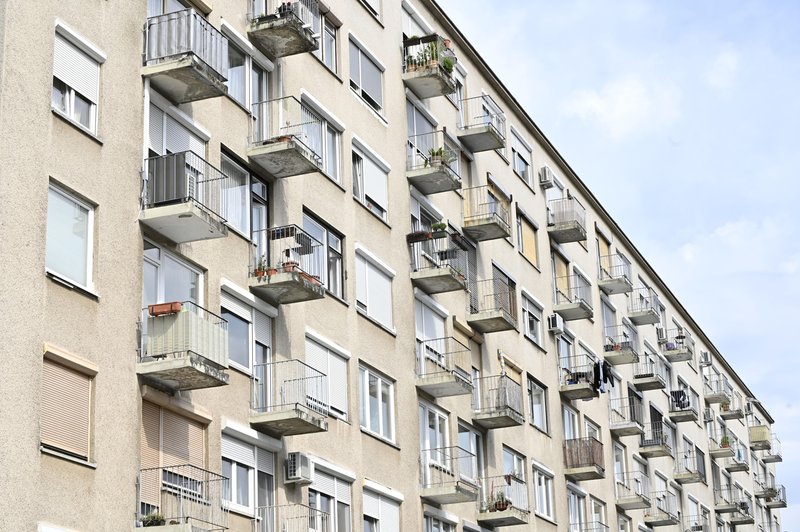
point(680, 399)
point(602, 376)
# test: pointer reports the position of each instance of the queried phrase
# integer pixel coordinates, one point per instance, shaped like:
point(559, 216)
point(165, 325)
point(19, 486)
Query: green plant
point(153, 519)
point(447, 65)
point(725, 442)
point(439, 226)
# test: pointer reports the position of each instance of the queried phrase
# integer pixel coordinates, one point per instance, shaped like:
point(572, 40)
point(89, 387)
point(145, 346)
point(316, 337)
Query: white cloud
point(625, 106)
point(721, 73)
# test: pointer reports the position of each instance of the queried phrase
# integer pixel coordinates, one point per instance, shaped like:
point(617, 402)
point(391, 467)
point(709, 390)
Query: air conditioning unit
point(708, 415)
point(661, 334)
point(298, 469)
point(555, 323)
point(748, 408)
point(705, 359)
point(545, 177)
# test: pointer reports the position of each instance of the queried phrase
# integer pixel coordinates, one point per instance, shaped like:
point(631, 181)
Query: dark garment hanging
point(607, 377)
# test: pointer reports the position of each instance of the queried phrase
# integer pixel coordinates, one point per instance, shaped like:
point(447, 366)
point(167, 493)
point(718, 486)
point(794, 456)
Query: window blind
point(182, 440)
point(375, 183)
point(76, 69)
point(65, 409)
point(179, 138)
point(156, 128)
point(263, 328)
point(380, 295)
point(385, 510)
point(238, 451)
point(235, 305)
point(371, 77)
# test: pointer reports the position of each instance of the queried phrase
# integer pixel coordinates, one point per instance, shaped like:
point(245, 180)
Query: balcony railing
point(291, 518)
point(566, 220)
point(626, 416)
point(728, 500)
point(583, 453)
point(492, 306)
point(760, 437)
point(664, 510)
point(446, 474)
point(573, 297)
point(621, 345)
point(577, 377)
point(428, 64)
point(633, 490)
point(497, 402)
point(185, 495)
point(677, 344)
point(438, 261)
point(733, 408)
point(696, 523)
point(773, 454)
point(740, 460)
point(690, 467)
point(720, 443)
point(443, 367)
point(432, 163)
point(615, 274)
point(717, 389)
point(650, 374)
point(644, 306)
point(592, 526)
point(482, 124)
point(657, 440)
point(500, 492)
point(682, 406)
point(279, 28)
point(289, 385)
point(486, 213)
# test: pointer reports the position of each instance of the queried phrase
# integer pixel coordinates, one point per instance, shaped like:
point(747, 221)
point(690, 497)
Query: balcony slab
point(185, 79)
point(183, 222)
point(187, 372)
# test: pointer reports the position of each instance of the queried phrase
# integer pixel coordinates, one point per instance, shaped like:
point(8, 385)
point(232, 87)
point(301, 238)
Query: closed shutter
point(337, 382)
point(603, 247)
point(361, 280)
point(375, 183)
point(156, 128)
point(317, 356)
point(343, 491)
point(324, 483)
point(390, 515)
point(180, 139)
point(561, 271)
point(263, 328)
point(529, 241)
point(371, 77)
point(375, 5)
point(372, 505)
point(238, 451)
point(235, 305)
point(76, 69)
point(182, 441)
point(150, 453)
point(380, 295)
point(265, 461)
point(65, 409)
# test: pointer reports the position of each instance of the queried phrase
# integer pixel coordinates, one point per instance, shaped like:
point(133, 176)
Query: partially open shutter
point(181, 441)
point(238, 451)
point(150, 453)
point(65, 409)
point(76, 69)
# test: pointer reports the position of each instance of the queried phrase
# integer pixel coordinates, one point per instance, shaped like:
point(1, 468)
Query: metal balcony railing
point(729, 496)
point(443, 355)
point(430, 150)
point(184, 494)
point(632, 484)
point(620, 337)
point(773, 454)
point(625, 410)
point(573, 289)
point(664, 504)
point(438, 249)
point(566, 212)
point(690, 462)
point(185, 176)
point(187, 328)
point(426, 52)
point(644, 299)
point(490, 295)
point(577, 369)
point(592, 526)
point(480, 111)
point(443, 466)
point(482, 203)
point(500, 492)
point(289, 249)
point(185, 32)
point(720, 439)
point(740, 454)
point(288, 385)
point(657, 433)
point(306, 11)
point(615, 266)
point(682, 401)
point(285, 119)
point(676, 339)
point(696, 523)
point(291, 518)
point(495, 394)
point(719, 386)
point(650, 367)
point(583, 452)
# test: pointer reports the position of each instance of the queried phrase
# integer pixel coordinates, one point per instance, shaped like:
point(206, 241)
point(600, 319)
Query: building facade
point(310, 266)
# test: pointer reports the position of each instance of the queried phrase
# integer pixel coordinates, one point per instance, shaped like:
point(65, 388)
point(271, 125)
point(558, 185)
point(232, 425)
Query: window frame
point(322, 24)
point(530, 256)
point(246, 192)
point(89, 257)
point(363, 307)
point(535, 386)
point(330, 132)
point(543, 487)
point(531, 309)
point(518, 142)
point(362, 153)
point(365, 413)
point(330, 252)
point(357, 86)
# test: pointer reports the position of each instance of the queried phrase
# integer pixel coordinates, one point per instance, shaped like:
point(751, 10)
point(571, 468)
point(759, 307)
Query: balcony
point(443, 367)
point(739, 461)
point(690, 468)
point(486, 214)
point(774, 495)
point(438, 261)
point(719, 444)
point(650, 374)
point(504, 501)
point(428, 66)
point(497, 402)
point(577, 377)
point(773, 454)
point(566, 220)
point(663, 512)
point(289, 397)
point(682, 406)
point(285, 138)
point(620, 345)
point(444, 475)
point(482, 125)
point(182, 498)
point(291, 270)
point(583, 459)
point(592, 526)
point(492, 306)
point(696, 523)
point(743, 515)
point(760, 437)
point(183, 198)
point(431, 163)
point(732, 409)
point(676, 344)
point(279, 29)
point(625, 416)
point(633, 491)
point(573, 298)
point(183, 347)
point(291, 518)
point(185, 57)
point(644, 307)
point(729, 500)
point(717, 390)
point(656, 441)
point(615, 274)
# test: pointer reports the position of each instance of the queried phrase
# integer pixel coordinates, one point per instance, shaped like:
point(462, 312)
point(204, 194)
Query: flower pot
point(258, 273)
point(161, 309)
point(272, 271)
point(501, 506)
point(290, 266)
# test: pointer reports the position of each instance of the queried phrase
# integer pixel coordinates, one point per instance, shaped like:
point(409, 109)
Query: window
point(331, 495)
point(471, 440)
point(527, 239)
point(249, 334)
point(259, 217)
point(430, 334)
point(251, 472)
point(366, 77)
point(418, 122)
point(521, 157)
point(162, 7)
point(66, 409)
point(531, 320)
point(76, 79)
point(169, 135)
point(334, 365)
point(332, 271)
point(373, 6)
point(381, 514)
point(70, 235)
point(432, 524)
point(513, 463)
point(537, 398)
point(238, 338)
point(543, 487)
point(623, 523)
point(236, 195)
point(247, 81)
point(374, 290)
point(168, 278)
point(377, 403)
point(370, 183)
point(324, 26)
point(434, 433)
point(577, 510)
point(323, 139)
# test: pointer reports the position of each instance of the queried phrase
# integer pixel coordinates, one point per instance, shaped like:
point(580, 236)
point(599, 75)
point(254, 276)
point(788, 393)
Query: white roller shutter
point(156, 128)
point(337, 382)
point(372, 504)
point(343, 491)
point(380, 295)
point(263, 328)
point(179, 139)
point(238, 451)
point(236, 305)
point(390, 515)
point(317, 356)
point(266, 461)
point(65, 409)
point(324, 483)
point(375, 183)
point(76, 69)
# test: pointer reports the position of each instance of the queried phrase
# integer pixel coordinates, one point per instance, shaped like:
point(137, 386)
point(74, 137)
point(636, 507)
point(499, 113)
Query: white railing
point(566, 212)
point(632, 484)
point(185, 32)
point(289, 249)
point(690, 462)
point(644, 299)
point(288, 119)
point(682, 401)
point(696, 523)
point(577, 369)
point(430, 150)
point(620, 337)
point(446, 466)
point(664, 505)
point(443, 356)
point(288, 385)
point(657, 433)
point(480, 111)
point(501, 492)
point(496, 393)
point(430, 51)
point(306, 11)
point(573, 289)
point(625, 410)
point(615, 266)
point(676, 339)
point(438, 249)
point(481, 203)
point(651, 367)
point(291, 518)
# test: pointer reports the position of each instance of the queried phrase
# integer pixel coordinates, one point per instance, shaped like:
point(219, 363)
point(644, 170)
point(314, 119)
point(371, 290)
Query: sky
point(682, 117)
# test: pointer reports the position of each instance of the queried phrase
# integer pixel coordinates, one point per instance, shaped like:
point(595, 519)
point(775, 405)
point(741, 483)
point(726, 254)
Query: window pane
point(242, 485)
point(355, 67)
point(227, 466)
point(386, 414)
point(180, 283)
point(332, 153)
point(238, 338)
point(150, 284)
point(374, 411)
point(329, 46)
point(236, 74)
point(371, 77)
point(83, 108)
point(342, 517)
point(59, 97)
point(235, 193)
point(67, 237)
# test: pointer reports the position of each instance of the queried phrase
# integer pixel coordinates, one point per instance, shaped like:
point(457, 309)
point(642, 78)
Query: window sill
point(71, 285)
point(380, 438)
point(77, 126)
point(331, 179)
point(238, 367)
point(541, 431)
point(503, 157)
point(545, 518)
point(376, 114)
point(372, 13)
point(240, 510)
point(525, 180)
point(67, 457)
point(376, 322)
point(336, 298)
point(381, 220)
point(238, 104)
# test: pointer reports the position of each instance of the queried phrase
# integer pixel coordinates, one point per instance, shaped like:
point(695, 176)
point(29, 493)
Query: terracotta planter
point(272, 271)
point(258, 273)
point(161, 309)
point(501, 506)
point(290, 266)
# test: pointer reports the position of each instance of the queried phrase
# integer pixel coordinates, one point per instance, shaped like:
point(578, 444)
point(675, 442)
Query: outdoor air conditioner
point(748, 408)
point(545, 177)
point(697, 528)
point(555, 323)
point(298, 469)
point(708, 415)
point(705, 359)
point(661, 334)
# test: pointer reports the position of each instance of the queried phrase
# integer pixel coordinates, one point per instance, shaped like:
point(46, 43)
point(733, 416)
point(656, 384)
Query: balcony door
point(571, 429)
point(167, 278)
point(431, 342)
point(577, 511)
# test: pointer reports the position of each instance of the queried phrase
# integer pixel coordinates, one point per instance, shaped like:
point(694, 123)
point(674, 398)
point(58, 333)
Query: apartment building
point(310, 266)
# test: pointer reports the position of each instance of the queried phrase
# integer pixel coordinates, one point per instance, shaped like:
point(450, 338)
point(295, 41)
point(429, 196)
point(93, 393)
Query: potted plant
point(434, 156)
point(153, 519)
point(501, 502)
point(726, 406)
point(725, 442)
point(447, 65)
point(290, 266)
point(418, 236)
point(161, 309)
point(261, 268)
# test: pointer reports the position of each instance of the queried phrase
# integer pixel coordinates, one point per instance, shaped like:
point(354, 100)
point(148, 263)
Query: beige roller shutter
point(561, 271)
point(529, 241)
point(182, 440)
point(150, 478)
point(65, 409)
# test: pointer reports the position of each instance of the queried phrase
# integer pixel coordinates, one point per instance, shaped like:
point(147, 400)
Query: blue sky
point(683, 119)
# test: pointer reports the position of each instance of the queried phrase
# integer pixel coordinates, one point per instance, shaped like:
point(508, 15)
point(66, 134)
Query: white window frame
point(160, 272)
point(82, 204)
point(518, 144)
point(333, 351)
point(329, 252)
point(250, 340)
point(246, 193)
point(371, 261)
point(253, 59)
point(252, 481)
point(330, 127)
point(443, 421)
point(322, 26)
point(361, 150)
point(532, 309)
point(543, 493)
point(357, 86)
point(535, 387)
point(364, 373)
